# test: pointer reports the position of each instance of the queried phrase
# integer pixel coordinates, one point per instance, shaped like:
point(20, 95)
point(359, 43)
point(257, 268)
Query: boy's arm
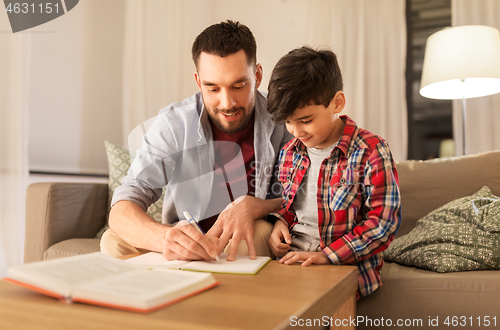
point(280, 239)
point(383, 217)
point(287, 216)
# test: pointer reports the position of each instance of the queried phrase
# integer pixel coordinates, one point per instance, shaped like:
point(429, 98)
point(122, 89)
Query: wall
point(75, 88)
point(278, 27)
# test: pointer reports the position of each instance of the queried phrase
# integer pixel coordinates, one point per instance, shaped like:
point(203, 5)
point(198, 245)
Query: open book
point(241, 264)
point(106, 281)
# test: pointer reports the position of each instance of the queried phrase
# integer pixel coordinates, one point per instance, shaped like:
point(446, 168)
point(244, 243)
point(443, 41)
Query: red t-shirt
point(231, 180)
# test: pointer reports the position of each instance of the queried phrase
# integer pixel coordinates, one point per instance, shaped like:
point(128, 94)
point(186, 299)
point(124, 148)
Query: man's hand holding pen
point(185, 242)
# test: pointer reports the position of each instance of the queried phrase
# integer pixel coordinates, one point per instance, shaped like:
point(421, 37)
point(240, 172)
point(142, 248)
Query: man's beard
point(230, 130)
point(217, 124)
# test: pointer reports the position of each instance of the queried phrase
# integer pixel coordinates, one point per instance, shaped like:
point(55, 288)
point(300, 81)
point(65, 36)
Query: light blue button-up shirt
point(177, 152)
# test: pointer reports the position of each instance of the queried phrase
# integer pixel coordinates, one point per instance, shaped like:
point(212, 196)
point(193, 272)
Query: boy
point(340, 185)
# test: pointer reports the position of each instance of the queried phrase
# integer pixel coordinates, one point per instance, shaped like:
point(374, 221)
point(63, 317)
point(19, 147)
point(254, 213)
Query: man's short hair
point(224, 39)
point(303, 77)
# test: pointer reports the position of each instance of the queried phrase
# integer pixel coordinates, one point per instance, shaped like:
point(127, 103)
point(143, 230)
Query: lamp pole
point(464, 111)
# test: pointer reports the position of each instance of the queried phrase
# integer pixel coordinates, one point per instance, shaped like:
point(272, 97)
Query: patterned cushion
point(461, 235)
point(119, 163)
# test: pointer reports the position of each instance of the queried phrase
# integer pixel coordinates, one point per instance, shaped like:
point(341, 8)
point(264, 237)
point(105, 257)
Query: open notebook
point(241, 264)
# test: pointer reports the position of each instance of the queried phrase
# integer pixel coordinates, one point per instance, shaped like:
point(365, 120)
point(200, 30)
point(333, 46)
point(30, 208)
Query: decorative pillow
point(461, 235)
point(118, 164)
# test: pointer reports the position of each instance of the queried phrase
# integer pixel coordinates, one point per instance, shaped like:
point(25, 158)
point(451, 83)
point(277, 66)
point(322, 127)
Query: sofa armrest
point(56, 211)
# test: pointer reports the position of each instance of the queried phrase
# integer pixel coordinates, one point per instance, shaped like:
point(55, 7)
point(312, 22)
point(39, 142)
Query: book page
point(62, 275)
point(143, 289)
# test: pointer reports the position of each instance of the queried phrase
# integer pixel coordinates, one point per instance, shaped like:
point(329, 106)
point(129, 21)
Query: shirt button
point(342, 180)
point(268, 171)
point(301, 167)
point(288, 177)
point(289, 196)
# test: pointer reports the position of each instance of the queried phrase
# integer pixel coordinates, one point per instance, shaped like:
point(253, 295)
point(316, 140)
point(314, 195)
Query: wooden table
point(277, 297)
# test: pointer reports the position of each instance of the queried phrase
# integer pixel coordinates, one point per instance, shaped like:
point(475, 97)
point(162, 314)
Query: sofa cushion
point(418, 294)
point(72, 247)
point(118, 164)
point(461, 235)
point(427, 185)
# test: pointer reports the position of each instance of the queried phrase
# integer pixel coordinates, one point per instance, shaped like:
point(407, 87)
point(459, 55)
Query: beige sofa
point(63, 218)
point(410, 293)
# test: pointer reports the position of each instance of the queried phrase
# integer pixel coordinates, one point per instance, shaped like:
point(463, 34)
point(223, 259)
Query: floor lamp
point(461, 62)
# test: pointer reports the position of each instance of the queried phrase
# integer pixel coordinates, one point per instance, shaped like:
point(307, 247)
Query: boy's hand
point(308, 258)
point(280, 233)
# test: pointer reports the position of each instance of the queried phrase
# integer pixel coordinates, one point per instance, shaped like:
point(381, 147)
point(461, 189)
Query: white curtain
point(483, 113)
point(13, 144)
point(369, 38)
point(157, 66)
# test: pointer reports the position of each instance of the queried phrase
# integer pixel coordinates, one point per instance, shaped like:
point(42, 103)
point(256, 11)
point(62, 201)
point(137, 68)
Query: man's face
point(228, 86)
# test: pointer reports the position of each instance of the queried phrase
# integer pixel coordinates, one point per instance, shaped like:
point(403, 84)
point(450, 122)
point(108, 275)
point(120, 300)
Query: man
point(218, 143)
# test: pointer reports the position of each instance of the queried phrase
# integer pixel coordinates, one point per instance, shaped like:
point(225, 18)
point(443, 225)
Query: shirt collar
point(349, 136)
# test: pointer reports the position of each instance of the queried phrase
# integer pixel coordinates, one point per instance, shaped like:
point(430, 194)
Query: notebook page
point(156, 260)
point(241, 265)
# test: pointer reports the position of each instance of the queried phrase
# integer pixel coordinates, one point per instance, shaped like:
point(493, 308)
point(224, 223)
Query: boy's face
point(317, 126)
point(228, 86)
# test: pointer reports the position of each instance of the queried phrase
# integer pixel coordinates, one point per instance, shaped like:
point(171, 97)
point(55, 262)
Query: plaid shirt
point(359, 205)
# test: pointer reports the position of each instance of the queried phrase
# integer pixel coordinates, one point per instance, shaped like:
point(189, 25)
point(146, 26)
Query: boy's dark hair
point(303, 77)
point(223, 39)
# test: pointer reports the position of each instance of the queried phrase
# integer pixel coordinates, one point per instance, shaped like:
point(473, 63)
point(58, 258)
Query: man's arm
point(179, 242)
point(237, 222)
point(127, 219)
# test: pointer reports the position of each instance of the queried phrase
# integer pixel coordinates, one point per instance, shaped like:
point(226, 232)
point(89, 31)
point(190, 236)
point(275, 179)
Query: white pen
point(195, 224)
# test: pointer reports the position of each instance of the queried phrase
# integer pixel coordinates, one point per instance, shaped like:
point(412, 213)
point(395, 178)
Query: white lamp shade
point(461, 62)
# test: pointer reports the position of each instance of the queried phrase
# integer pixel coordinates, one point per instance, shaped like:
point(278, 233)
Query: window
point(429, 120)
